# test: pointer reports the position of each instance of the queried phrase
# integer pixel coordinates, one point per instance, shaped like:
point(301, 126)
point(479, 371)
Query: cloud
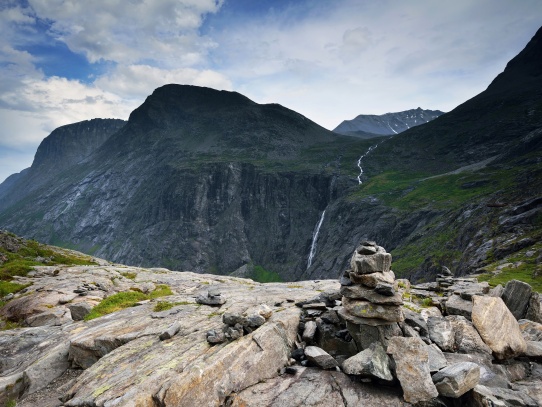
point(128, 32)
point(139, 81)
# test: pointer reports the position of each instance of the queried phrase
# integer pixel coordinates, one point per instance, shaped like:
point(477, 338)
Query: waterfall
point(362, 157)
point(314, 238)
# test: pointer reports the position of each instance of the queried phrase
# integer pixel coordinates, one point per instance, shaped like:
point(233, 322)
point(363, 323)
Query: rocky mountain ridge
point(302, 344)
point(369, 126)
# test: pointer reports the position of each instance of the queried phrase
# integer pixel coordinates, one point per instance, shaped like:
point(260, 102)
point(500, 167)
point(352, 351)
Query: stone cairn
point(371, 306)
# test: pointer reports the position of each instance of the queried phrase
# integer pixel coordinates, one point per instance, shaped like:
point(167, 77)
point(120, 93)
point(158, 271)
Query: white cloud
point(129, 32)
point(139, 81)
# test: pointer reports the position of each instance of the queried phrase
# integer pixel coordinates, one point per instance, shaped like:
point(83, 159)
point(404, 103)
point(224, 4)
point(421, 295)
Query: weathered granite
point(372, 362)
point(516, 296)
point(412, 369)
point(497, 326)
point(366, 309)
point(455, 380)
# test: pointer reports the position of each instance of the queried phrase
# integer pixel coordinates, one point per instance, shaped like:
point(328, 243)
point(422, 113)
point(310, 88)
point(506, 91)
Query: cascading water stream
point(314, 238)
point(361, 158)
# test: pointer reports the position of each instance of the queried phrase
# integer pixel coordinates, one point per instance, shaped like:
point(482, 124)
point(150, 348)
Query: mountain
point(210, 181)
point(369, 125)
point(197, 179)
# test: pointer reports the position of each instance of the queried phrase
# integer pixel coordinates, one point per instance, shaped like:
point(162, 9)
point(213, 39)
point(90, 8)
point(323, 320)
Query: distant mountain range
point(210, 181)
point(370, 125)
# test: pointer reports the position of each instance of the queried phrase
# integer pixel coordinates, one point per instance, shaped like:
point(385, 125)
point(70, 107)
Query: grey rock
point(496, 291)
point(416, 321)
point(53, 317)
point(347, 317)
point(171, 331)
point(233, 318)
point(316, 388)
point(385, 289)
point(80, 310)
point(501, 397)
point(365, 335)
point(533, 308)
point(366, 309)
point(534, 350)
point(214, 336)
point(345, 279)
point(491, 374)
point(365, 293)
point(320, 357)
point(455, 380)
point(373, 279)
point(497, 327)
point(309, 331)
point(373, 362)
point(380, 261)
point(531, 331)
point(233, 332)
point(441, 332)
point(316, 305)
point(455, 305)
point(437, 360)
point(446, 271)
point(516, 296)
point(212, 300)
point(466, 337)
point(412, 369)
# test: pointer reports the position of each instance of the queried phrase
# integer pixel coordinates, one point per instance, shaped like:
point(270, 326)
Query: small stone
point(171, 331)
point(290, 370)
point(367, 250)
point(455, 380)
point(232, 318)
point(298, 354)
point(316, 305)
point(309, 331)
point(446, 271)
point(345, 280)
point(255, 321)
point(320, 357)
point(364, 293)
point(371, 263)
point(214, 300)
point(215, 336)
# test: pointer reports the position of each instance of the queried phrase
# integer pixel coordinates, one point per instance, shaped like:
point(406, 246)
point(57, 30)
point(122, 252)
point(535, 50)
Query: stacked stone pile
point(370, 304)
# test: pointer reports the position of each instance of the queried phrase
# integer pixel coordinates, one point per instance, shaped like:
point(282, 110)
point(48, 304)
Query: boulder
point(412, 368)
point(80, 310)
point(372, 362)
point(497, 326)
point(416, 321)
point(359, 292)
point(455, 380)
point(320, 357)
point(491, 374)
point(496, 291)
point(516, 296)
point(442, 333)
point(366, 309)
point(54, 316)
point(455, 305)
point(373, 279)
point(466, 337)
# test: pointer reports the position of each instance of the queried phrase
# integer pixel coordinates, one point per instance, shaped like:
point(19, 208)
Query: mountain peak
point(368, 125)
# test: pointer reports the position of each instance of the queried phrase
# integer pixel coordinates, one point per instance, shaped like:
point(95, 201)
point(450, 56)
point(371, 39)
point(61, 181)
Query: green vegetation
point(166, 305)
point(127, 299)
point(262, 275)
point(129, 274)
point(522, 267)
point(29, 254)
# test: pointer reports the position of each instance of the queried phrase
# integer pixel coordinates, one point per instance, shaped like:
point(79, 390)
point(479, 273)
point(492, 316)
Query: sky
point(64, 61)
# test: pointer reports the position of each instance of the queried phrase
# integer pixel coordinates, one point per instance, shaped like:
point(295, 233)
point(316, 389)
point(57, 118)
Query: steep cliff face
point(63, 148)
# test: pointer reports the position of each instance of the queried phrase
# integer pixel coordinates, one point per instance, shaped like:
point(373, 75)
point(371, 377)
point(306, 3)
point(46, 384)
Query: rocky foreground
point(368, 340)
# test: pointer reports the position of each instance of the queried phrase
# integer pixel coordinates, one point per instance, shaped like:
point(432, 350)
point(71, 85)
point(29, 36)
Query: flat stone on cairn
point(369, 298)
